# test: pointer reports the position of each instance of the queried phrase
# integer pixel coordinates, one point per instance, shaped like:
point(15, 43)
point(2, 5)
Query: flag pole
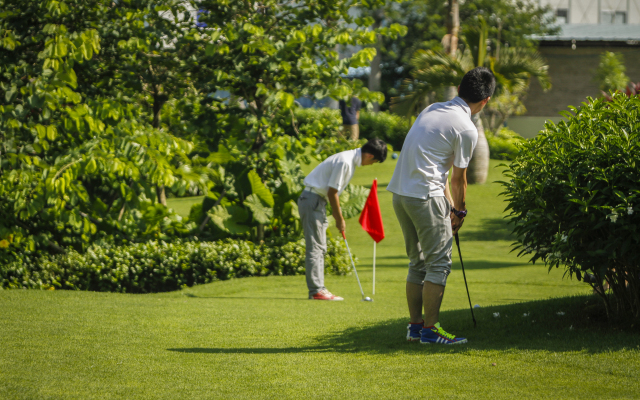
point(374, 267)
point(374, 259)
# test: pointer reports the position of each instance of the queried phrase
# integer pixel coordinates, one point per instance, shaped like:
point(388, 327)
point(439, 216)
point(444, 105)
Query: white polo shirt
point(443, 135)
point(336, 172)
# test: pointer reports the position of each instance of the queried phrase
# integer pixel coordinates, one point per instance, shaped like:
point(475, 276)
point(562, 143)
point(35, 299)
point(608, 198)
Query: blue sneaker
point(413, 331)
point(435, 334)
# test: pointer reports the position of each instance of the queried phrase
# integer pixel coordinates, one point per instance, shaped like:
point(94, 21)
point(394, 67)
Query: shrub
point(317, 122)
point(391, 128)
point(504, 145)
point(159, 266)
point(574, 192)
point(327, 123)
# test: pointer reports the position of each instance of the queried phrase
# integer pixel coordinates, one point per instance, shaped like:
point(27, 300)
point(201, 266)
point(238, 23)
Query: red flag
point(371, 218)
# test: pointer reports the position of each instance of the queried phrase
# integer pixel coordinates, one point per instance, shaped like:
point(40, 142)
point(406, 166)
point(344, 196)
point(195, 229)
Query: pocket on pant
point(320, 205)
point(444, 209)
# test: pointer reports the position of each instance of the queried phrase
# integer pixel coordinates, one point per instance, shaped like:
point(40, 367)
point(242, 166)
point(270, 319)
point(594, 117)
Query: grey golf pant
point(426, 226)
point(313, 214)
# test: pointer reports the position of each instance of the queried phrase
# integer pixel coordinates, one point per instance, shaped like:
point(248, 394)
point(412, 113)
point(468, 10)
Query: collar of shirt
point(357, 160)
point(458, 101)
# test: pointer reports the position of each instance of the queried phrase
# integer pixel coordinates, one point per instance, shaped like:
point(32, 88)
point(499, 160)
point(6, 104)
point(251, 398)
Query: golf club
point(354, 269)
point(465, 279)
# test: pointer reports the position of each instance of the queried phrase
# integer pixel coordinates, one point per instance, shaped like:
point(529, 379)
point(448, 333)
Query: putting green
point(260, 338)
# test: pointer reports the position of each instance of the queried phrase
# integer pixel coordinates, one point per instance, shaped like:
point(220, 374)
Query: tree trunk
point(162, 197)
point(157, 108)
point(450, 41)
point(375, 74)
point(479, 164)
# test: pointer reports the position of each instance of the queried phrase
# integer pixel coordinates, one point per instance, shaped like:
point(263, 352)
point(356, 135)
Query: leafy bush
point(574, 192)
point(504, 146)
point(159, 266)
point(317, 122)
point(389, 127)
point(327, 123)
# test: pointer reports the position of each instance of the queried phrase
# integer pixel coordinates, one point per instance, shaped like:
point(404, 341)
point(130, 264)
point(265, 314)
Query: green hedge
point(325, 123)
point(391, 128)
point(573, 194)
point(504, 146)
point(159, 267)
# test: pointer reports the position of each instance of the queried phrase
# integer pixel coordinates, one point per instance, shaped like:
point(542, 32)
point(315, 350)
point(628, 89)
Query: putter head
point(367, 299)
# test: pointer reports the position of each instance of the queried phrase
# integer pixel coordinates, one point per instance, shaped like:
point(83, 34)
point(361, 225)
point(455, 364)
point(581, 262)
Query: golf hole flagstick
point(354, 268)
point(465, 278)
point(371, 221)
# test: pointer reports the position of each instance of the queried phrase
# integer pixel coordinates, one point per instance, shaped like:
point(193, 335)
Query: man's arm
point(458, 194)
point(336, 211)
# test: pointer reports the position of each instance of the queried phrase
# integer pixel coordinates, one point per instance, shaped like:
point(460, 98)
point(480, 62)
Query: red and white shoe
point(324, 294)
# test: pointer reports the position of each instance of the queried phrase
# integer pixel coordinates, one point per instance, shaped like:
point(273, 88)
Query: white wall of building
point(595, 11)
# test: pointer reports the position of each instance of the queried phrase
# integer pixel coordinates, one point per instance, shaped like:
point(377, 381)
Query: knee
point(415, 276)
point(438, 274)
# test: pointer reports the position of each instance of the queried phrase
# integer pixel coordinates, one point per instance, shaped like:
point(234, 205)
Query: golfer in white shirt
point(325, 183)
point(443, 136)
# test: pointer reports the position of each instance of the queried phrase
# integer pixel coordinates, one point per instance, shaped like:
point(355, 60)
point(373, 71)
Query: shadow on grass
point(556, 325)
point(490, 229)
point(191, 295)
point(468, 265)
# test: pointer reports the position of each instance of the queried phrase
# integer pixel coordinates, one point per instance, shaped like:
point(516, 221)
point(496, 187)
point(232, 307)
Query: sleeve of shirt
point(357, 103)
point(339, 175)
point(465, 144)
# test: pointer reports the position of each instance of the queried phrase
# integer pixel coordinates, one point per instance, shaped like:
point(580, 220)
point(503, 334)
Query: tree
point(610, 74)
point(436, 70)
point(264, 54)
point(510, 24)
point(150, 57)
point(71, 164)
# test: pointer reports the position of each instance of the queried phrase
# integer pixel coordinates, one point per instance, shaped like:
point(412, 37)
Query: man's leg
point(314, 227)
point(432, 296)
point(433, 227)
point(417, 269)
point(414, 301)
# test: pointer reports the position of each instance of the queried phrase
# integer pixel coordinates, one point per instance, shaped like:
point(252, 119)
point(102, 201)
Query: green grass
point(260, 338)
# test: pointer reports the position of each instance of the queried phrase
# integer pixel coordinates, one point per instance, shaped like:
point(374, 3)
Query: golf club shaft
point(353, 264)
point(465, 279)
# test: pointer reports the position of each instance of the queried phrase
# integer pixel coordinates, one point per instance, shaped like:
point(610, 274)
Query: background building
point(588, 29)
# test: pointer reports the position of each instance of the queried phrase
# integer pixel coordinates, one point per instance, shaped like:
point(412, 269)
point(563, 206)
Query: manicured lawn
point(259, 337)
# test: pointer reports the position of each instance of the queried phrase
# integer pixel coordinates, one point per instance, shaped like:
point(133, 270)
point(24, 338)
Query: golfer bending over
point(325, 183)
point(429, 214)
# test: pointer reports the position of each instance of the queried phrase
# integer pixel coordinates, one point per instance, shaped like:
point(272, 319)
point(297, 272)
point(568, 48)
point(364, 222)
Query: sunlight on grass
point(261, 338)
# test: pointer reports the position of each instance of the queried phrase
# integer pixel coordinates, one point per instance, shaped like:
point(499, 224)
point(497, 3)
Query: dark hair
point(477, 85)
point(377, 148)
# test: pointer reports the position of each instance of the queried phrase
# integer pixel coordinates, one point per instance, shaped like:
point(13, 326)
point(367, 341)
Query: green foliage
point(573, 194)
point(159, 266)
point(317, 122)
point(386, 126)
point(504, 145)
point(610, 74)
point(501, 107)
point(434, 70)
point(76, 167)
point(325, 123)
point(509, 24)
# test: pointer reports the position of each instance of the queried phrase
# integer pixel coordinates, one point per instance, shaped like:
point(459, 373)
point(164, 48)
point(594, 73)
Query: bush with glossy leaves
point(573, 194)
point(160, 266)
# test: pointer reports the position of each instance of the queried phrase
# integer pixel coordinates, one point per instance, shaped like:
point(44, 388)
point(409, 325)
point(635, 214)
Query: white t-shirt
point(336, 172)
point(443, 135)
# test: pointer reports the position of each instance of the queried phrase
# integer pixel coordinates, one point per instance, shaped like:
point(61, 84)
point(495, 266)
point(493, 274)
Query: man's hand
point(341, 224)
point(334, 200)
point(458, 194)
point(456, 223)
